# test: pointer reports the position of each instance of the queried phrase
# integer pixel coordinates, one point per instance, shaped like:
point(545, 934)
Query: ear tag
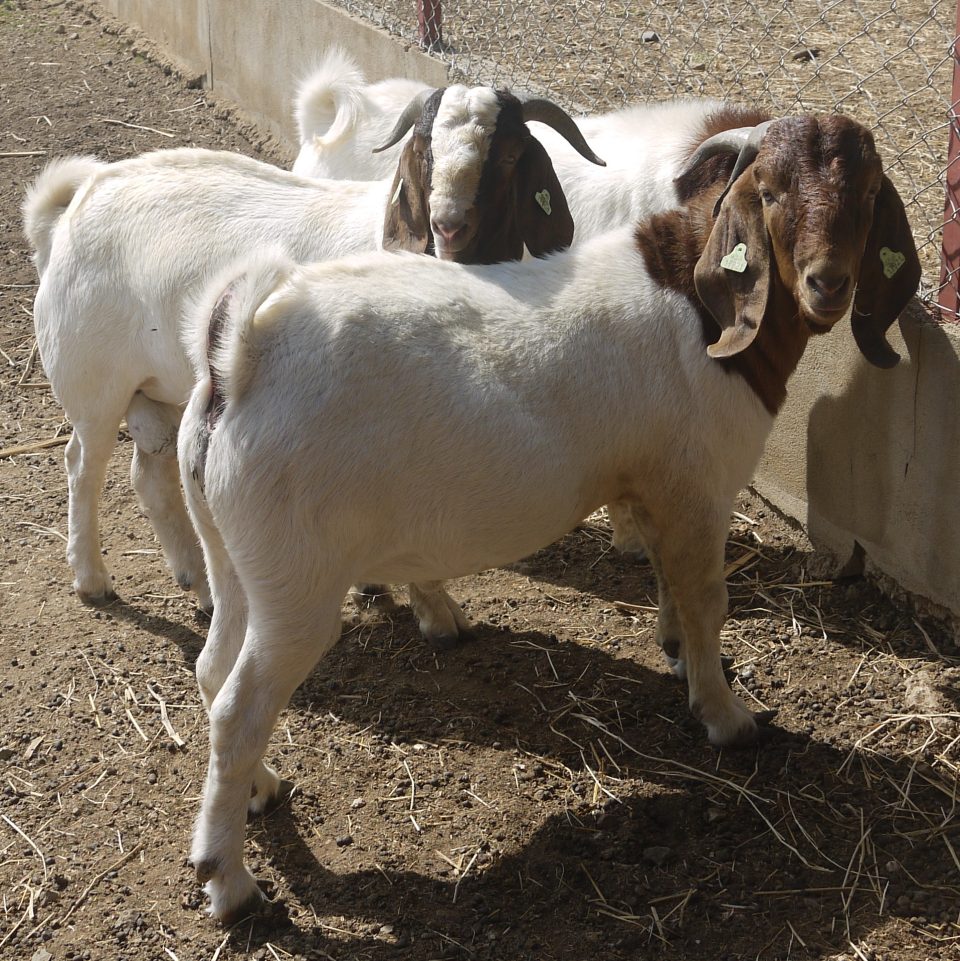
point(736, 260)
point(543, 199)
point(892, 261)
point(395, 199)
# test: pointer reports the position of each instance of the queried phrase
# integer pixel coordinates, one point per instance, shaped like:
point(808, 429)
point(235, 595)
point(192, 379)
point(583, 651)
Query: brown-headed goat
point(644, 367)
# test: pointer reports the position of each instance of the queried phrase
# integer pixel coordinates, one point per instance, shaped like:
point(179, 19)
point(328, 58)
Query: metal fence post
point(949, 297)
point(429, 23)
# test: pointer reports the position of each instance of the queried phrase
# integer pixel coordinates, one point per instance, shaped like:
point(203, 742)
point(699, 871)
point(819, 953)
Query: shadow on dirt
point(701, 854)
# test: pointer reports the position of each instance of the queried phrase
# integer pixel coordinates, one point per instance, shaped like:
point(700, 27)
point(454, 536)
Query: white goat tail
point(224, 349)
point(328, 102)
point(49, 196)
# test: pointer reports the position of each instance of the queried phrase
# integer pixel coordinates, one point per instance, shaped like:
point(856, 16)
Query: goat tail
point(328, 101)
point(49, 196)
point(220, 332)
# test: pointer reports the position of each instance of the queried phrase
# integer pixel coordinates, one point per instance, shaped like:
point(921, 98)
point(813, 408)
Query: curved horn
point(745, 141)
point(411, 114)
point(546, 111)
point(727, 141)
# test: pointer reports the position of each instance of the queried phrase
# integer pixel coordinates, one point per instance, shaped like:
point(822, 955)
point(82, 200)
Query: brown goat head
point(815, 213)
point(473, 185)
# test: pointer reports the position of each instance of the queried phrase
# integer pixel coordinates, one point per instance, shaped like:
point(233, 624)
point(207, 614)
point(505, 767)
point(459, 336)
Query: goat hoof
point(206, 869)
point(101, 599)
point(258, 905)
point(727, 661)
point(763, 718)
point(283, 794)
point(375, 597)
point(449, 642)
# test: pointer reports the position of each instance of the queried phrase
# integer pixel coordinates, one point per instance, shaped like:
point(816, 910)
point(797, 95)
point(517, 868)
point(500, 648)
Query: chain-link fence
point(888, 63)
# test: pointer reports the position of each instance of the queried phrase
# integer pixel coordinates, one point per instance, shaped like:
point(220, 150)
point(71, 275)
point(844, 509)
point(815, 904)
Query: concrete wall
point(860, 456)
point(868, 456)
point(253, 52)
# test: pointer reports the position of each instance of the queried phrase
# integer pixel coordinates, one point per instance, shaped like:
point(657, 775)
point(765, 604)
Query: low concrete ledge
point(254, 52)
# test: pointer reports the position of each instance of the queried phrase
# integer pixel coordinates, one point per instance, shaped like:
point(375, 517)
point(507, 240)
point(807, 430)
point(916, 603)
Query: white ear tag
point(892, 261)
point(395, 199)
point(736, 260)
point(542, 197)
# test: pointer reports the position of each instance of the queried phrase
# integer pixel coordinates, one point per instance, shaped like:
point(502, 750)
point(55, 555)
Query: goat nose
point(446, 229)
point(828, 285)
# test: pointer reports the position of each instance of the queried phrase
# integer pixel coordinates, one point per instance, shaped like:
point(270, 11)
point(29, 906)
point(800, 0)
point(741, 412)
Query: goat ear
point(732, 276)
point(544, 218)
point(406, 225)
point(889, 277)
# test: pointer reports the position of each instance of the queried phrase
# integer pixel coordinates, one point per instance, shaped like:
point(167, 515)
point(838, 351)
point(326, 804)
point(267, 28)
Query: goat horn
point(411, 114)
point(546, 111)
point(745, 141)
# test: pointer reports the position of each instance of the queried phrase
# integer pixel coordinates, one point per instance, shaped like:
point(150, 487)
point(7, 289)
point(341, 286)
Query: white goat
point(341, 119)
point(498, 406)
point(121, 249)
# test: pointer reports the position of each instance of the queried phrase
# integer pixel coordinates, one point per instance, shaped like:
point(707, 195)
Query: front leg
point(440, 617)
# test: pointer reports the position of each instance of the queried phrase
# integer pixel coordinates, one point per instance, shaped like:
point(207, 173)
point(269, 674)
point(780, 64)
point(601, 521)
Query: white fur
point(122, 248)
point(415, 420)
point(644, 147)
point(464, 124)
point(341, 119)
point(118, 263)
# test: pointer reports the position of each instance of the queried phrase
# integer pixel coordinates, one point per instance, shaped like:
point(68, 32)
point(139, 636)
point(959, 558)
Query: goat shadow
point(598, 877)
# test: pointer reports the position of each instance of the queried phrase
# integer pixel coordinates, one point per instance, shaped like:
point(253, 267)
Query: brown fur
point(808, 245)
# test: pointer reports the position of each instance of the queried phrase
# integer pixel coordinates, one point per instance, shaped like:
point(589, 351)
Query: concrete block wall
point(253, 52)
point(859, 456)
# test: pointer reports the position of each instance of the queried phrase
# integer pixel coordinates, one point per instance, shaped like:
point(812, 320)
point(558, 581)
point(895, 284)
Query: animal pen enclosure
point(888, 64)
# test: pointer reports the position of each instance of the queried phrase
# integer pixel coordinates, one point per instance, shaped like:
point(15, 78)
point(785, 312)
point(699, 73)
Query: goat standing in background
point(645, 366)
point(122, 249)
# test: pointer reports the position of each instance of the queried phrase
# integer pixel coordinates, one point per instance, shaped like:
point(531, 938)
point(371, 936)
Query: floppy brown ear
point(543, 216)
point(732, 276)
point(406, 225)
point(889, 277)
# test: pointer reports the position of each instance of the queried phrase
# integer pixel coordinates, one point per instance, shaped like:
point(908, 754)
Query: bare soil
point(540, 792)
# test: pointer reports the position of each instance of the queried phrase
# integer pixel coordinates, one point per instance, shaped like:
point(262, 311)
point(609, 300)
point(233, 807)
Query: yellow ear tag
point(736, 260)
point(543, 198)
point(395, 199)
point(892, 261)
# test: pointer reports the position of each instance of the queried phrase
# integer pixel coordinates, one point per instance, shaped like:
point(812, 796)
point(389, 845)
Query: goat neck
point(672, 243)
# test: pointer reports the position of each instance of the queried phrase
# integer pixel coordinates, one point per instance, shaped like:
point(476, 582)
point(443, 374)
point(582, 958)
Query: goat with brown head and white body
point(123, 248)
point(644, 367)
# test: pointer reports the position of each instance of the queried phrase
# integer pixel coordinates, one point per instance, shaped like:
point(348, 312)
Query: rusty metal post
point(949, 298)
point(429, 23)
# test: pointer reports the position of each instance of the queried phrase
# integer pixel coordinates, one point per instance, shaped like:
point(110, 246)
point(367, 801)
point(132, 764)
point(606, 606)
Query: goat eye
point(766, 196)
point(509, 160)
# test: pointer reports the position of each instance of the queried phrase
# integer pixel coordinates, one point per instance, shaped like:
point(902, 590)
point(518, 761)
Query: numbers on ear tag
point(395, 199)
point(892, 261)
point(736, 260)
point(542, 197)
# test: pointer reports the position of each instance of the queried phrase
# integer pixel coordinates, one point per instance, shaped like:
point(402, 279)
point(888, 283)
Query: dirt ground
point(540, 792)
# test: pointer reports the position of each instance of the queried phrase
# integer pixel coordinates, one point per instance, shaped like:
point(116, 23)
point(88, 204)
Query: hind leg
point(86, 457)
point(156, 479)
point(281, 646)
